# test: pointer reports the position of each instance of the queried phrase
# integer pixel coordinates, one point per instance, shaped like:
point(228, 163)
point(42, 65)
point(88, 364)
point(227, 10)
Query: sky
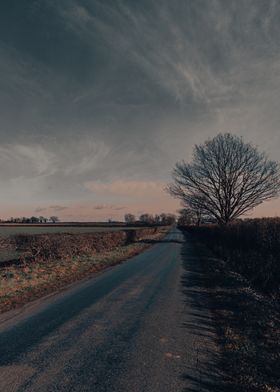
point(100, 99)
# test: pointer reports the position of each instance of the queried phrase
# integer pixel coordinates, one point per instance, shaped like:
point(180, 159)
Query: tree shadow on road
point(206, 374)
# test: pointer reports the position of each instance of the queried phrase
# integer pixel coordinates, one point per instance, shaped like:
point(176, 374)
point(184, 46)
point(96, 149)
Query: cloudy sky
point(99, 99)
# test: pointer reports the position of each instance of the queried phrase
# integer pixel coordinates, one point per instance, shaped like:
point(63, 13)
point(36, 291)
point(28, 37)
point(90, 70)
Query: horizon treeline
point(32, 219)
point(150, 219)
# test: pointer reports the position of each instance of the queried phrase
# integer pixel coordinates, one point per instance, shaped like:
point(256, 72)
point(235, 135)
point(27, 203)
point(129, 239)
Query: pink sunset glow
point(136, 197)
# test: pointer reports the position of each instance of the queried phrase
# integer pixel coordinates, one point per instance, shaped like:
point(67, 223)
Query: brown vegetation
point(248, 328)
point(66, 246)
point(245, 293)
point(250, 247)
point(45, 263)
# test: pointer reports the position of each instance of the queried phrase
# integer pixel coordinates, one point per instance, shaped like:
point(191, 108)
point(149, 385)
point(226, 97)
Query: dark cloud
point(53, 208)
point(40, 209)
point(101, 207)
point(108, 207)
point(120, 90)
point(58, 208)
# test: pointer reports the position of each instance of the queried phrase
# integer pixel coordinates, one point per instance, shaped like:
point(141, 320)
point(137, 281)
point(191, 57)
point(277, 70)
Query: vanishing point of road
point(142, 326)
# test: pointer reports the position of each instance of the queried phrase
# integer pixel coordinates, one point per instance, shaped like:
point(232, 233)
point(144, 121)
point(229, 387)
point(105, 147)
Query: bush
point(66, 246)
point(251, 247)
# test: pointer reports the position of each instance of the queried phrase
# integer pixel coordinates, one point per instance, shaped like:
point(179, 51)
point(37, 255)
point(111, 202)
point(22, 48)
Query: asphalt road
point(142, 326)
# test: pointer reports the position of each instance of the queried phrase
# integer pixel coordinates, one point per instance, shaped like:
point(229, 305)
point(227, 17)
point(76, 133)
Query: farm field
point(6, 231)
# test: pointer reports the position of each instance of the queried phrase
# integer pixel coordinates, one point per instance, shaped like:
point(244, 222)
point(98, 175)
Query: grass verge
point(248, 328)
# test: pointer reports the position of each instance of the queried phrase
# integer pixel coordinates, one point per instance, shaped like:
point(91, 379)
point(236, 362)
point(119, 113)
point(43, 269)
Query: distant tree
point(17, 220)
point(25, 220)
point(186, 217)
point(157, 219)
point(147, 219)
point(54, 219)
point(129, 218)
point(163, 218)
point(226, 178)
point(196, 206)
point(34, 219)
point(167, 219)
point(194, 214)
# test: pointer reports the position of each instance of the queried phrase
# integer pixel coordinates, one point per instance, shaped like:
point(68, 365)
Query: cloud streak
point(51, 208)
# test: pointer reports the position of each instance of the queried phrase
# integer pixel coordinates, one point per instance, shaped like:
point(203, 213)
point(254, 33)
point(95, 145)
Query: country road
point(142, 326)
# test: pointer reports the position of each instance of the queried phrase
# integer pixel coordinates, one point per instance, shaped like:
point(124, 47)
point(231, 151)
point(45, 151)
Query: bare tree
point(129, 218)
point(157, 219)
point(34, 219)
point(54, 219)
point(167, 219)
point(226, 178)
point(186, 216)
point(147, 219)
point(196, 205)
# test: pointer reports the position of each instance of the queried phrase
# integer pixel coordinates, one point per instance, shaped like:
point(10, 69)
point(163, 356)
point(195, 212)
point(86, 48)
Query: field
point(8, 230)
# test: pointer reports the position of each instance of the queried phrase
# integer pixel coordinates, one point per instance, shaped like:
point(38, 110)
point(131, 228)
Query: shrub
point(66, 246)
point(251, 247)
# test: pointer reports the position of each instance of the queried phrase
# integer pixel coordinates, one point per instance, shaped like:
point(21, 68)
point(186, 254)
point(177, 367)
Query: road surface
point(142, 326)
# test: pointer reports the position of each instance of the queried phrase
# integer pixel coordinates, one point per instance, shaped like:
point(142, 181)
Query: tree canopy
point(226, 178)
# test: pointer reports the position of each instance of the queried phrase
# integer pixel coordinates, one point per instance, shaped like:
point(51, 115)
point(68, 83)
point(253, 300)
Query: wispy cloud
point(195, 51)
point(89, 153)
point(100, 107)
point(19, 160)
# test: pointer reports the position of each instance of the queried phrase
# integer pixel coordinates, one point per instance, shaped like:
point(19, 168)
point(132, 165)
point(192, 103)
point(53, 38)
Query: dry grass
point(248, 328)
point(33, 229)
point(22, 283)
